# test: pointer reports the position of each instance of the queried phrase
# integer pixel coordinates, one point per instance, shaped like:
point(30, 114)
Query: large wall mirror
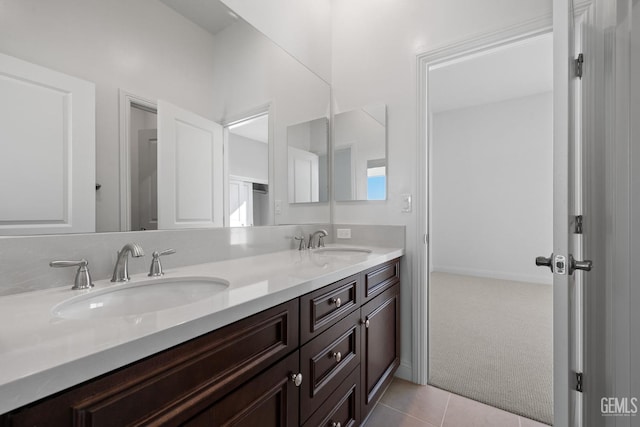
point(152, 114)
point(360, 153)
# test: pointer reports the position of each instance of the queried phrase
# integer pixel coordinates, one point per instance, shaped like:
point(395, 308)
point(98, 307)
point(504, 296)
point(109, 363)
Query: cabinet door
point(380, 345)
point(269, 400)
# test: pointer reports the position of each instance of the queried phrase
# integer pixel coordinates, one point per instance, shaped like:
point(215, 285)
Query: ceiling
point(211, 15)
point(256, 129)
point(513, 71)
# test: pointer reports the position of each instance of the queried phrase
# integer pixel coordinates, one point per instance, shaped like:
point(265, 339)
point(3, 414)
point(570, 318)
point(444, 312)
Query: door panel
point(303, 168)
point(48, 176)
point(148, 179)
point(190, 169)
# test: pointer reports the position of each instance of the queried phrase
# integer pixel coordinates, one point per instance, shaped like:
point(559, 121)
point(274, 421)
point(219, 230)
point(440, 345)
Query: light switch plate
point(406, 203)
point(343, 233)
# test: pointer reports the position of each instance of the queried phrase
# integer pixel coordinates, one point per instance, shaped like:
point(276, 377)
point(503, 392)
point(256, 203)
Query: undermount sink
point(139, 297)
point(342, 251)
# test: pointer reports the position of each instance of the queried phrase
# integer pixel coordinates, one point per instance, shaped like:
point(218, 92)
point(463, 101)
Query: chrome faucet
point(121, 269)
point(321, 234)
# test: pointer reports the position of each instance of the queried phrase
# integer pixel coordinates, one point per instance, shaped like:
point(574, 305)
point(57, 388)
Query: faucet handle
point(156, 267)
point(303, 243)
point(83, 278)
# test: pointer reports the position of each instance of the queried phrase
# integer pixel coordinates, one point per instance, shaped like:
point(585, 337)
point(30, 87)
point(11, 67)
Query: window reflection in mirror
point(307, 151)
point(360, 151)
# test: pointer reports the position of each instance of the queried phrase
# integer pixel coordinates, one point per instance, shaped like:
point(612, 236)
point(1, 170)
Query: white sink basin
point(342, 251)
point(139, 297)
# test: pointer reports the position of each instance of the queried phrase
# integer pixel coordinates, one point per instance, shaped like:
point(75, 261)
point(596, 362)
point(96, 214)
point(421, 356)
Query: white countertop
point(41, 354)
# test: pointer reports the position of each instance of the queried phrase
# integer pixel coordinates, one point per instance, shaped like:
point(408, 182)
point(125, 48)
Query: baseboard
point(495, 275)
point(405, 371)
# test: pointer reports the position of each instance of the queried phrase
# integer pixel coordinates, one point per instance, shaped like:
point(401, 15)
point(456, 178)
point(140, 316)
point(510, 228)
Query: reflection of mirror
point(360, 154)
point(143, 52)
point(308, 145)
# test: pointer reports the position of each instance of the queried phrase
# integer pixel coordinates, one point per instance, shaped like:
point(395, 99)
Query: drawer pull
point(296, 379)
point(337, 302)
point(336, 424)
point(337, 355)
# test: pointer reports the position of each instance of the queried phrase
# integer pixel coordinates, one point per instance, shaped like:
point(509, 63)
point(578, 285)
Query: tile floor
point(405, 404)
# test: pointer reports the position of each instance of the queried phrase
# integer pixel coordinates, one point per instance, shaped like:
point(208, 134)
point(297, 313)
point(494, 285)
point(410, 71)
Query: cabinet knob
point(296, 379)
point(336, 424)
point(337, 355)
point(364, 322)
point(337, 302)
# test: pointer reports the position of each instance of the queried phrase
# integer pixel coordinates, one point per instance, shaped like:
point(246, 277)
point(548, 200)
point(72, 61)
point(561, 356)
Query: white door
point(148, 179)
point(240, 203)
point(565, 302)
point(47, 165)
point(303, 176)
point(190, 170)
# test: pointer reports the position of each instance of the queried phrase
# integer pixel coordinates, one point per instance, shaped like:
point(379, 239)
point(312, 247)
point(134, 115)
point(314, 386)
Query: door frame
point(420, 294)
point(128, 100)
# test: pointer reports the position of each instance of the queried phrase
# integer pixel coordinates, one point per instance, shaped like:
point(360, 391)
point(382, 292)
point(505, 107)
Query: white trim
point(474, 44)
point(126, 99)
point(404, 371)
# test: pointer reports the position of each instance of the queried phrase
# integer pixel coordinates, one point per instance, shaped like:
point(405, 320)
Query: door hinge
point(578, 224)
point(578, 64)
point(579, 381)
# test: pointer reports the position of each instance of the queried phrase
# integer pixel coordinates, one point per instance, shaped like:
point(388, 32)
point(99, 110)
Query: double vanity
point(294, 337)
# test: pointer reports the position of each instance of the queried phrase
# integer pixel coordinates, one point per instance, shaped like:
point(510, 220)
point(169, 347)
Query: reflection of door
point(148, 179)
point(303, 167)
point(190, 169)
point(240, 203)
point(47, 167)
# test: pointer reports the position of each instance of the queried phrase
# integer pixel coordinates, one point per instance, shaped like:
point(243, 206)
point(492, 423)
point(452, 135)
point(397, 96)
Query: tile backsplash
point(24, 261)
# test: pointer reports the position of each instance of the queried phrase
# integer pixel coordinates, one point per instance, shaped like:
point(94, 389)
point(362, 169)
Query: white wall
point(301, 27)
point(248, 158)
point(374, 47)
point(138, 46)
point(492, 189)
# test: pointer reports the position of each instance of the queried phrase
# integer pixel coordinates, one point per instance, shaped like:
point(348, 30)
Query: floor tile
point(463, 412)
point(427, 403)
point(384, 416)
point(526, 422)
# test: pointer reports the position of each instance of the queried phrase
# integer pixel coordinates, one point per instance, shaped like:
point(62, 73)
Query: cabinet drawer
point(322, 308)
point(380, 278)
point(269, 400)
point(172, 386)
point(343, 406)
point(326, 361)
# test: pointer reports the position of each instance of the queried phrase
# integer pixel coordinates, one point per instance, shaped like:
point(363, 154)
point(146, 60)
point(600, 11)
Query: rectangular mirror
point(360, 154)
point(199, 57)
point(308, 144)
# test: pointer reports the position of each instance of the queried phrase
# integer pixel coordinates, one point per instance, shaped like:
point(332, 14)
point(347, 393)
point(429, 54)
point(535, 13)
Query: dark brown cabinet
point(380, 345)
point(319, 360)
point(269, 400)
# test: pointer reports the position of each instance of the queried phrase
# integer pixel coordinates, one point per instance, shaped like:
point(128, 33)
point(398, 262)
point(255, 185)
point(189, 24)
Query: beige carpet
point(491, 341)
